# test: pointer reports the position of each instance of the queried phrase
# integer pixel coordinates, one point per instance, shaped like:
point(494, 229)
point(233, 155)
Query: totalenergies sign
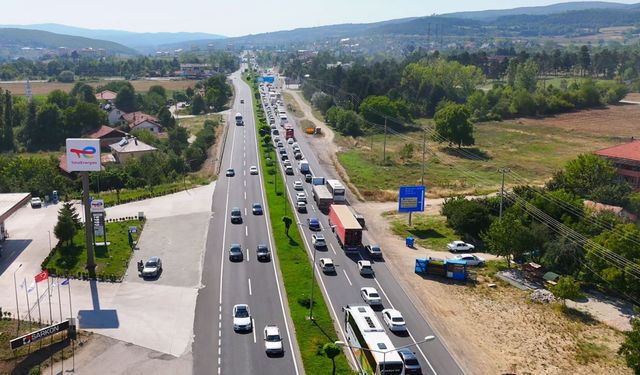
point(83, 155)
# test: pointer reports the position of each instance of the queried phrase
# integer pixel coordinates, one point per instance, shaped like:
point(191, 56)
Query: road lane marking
point(245, 183)
point(245, 195)
point(245, 211)
point(249, 286)
point(333, 249)
point(253, 324)
point(345, 275)
point(247, 254)
point(313, 208)
point(246, 230)
point(409, 332)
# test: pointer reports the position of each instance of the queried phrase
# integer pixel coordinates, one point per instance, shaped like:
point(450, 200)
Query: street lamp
point(384, 352)
point(313, 275)
point(15, 287)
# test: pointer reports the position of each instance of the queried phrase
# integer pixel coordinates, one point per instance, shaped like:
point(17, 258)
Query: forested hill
point(19, 38)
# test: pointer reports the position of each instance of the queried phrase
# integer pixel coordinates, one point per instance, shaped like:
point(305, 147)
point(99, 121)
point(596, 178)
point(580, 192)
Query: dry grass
point(292, 106)
point(44, 88)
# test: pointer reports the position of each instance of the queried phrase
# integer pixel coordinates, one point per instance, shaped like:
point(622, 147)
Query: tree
point(585, 59)
point(585, 174)
point(322, 101)
point(197, 105)
point(563, 256)
point(287, 224)
point(166, 119)
point(467, 217)
point(630, 348)
point(158, 90)
point(331, 350)
point(83, 118)
point(566, 288)
point(376, 108)
point(452, 124)
point(66, 227)
point(505, 237)
point(68, 210)
point(406, 152)
point(66, 76)
point(59, 98)
point(8, 143)
point(178, 139)
point(527, 76)
point(48, 132)
point(126, 99)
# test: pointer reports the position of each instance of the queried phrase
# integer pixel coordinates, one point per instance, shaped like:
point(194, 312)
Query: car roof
point(326, 260)
point(241, 306)
point(313, 219)
point(364, 262)
point(235, 245)
point(369, 289)
point(272, 330)
point(392, 313)
point(319, 235)
point(406, 353)
point(154, 259)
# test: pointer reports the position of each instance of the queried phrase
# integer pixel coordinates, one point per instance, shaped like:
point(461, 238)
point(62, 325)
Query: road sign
point(98, 223)
point(411, 199)
point(97, 205)
point(38, 335)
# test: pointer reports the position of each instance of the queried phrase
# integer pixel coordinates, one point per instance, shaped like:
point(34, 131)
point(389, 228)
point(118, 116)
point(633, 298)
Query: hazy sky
point(233, 18)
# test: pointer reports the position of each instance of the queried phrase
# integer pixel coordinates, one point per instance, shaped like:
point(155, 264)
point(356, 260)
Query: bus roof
point(373, 333)
point(346, 216)
point(335, 183)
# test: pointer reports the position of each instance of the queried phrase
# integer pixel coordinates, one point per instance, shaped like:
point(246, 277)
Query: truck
point(317, 181)
point(303, 166)
point(345, 226)
point(288, 131)
point(239, 120)
point(337, 190)
point(322, 197)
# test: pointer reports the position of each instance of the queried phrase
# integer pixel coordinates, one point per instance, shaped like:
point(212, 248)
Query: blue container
point(421, 265)
point(409, 241)
point(55, 197)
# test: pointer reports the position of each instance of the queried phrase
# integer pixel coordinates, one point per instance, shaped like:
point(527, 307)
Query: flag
point(65, 281)
point(42, 276)
point(31, 287)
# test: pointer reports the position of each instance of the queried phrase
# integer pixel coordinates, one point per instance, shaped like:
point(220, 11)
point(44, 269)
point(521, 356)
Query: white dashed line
point(313, 208)
point(245, 183)
point(253, 324)
point(345, 275)
point(245, 195)
point(246, 230)
point(245, 211)
point(249, 286)
point(247, 254)
point(333, 249)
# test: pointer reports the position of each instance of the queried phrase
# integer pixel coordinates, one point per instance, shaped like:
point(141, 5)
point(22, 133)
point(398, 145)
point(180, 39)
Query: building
point(195, 70)
point(10, 203)
point(130, 147)
point(108, 135)
point(115, 116)
point(626, 159)
point(141, 120)
point(106, 95)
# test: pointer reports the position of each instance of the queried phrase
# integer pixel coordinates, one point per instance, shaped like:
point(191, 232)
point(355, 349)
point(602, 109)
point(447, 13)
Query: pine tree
point(8, 143)
point(68, 210)
point(66, 227)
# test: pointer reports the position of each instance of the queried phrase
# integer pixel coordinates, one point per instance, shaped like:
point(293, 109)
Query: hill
point(145, 42)
point(12, 38)
point(490, 15)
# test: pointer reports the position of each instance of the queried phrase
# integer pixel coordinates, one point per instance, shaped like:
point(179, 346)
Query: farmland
point(44, 88)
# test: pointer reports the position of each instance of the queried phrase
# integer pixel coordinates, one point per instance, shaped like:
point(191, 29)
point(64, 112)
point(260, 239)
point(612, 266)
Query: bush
point(66, 76)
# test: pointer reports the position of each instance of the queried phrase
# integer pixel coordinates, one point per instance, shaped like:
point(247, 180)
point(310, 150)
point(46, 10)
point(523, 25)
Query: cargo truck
point(345, 226)
point(322, 197)
point(288, 131)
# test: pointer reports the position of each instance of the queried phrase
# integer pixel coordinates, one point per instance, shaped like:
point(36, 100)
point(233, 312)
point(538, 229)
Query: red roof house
point(626, 158)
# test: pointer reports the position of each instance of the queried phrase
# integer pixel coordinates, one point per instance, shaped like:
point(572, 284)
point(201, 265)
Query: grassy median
point(296, 273)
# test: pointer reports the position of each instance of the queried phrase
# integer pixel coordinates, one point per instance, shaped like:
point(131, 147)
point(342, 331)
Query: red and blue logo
point(86, 152)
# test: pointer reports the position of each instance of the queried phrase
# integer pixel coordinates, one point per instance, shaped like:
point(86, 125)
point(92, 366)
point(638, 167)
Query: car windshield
point(235, 249)
point(397, 320)
point(262, 249)
point(151, 263)
point(411, 362)
point(257, 205)
point(374, 295)
point(375, 248)
point(242, 313)
point(273, 337)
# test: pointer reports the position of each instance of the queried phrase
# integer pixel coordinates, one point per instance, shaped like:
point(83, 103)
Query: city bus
point(337, 191)
point(364, 331)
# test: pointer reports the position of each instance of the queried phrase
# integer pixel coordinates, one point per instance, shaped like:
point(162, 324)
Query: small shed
point(551, 278)
point(532, 271)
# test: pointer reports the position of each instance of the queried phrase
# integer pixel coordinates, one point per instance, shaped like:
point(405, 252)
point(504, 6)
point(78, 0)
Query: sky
point(234, 18)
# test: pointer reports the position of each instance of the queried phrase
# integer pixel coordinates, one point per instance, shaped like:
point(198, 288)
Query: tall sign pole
point(83, 155)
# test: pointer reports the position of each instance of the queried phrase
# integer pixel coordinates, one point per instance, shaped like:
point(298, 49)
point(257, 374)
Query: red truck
point(345, 226)
point(288, 131)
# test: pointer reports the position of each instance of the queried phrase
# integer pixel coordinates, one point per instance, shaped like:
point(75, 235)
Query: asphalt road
point(217, 348)
point(343, 287)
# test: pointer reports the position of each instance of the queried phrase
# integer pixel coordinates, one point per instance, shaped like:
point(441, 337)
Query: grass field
point(532, 149)
point(195, 124)
point(296, 274)
point(292, 105)
point(431, 232)
point(112, 260)
point(44, 88)
point(112, 198)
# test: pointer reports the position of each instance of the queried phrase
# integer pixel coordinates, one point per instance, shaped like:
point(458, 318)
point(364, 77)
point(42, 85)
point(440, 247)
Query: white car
point(318, 240)
point(302, 207)
point(272, 340)
point(242, 318)
point(253, 170)
point(301, 197)
point(470, 259)
point(364, 267)
point(290, 141)
point(371, 296)
point(297, 185)
point(36, 202)
point(326, 264)
point(394, 320)
point(456, 246)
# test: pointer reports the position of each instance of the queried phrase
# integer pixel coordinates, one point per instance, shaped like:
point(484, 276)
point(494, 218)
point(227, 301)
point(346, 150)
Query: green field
point(532, 153)
point(110, 261)
point(296, 274)
point(431, 232)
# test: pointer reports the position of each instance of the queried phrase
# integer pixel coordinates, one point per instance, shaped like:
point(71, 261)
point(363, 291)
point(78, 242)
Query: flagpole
point(50, 323)
point(38, 298)
point(26, 292)
point(73, 342)
point(61, 319)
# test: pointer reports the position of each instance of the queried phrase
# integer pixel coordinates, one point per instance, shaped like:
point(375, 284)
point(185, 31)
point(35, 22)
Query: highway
point(343, 287)
point(217, 348)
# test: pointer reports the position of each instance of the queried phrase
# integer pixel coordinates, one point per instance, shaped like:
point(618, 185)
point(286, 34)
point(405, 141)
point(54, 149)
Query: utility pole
point(503, 171)
point(88, 227)
point(384, 147)
point(424, 150)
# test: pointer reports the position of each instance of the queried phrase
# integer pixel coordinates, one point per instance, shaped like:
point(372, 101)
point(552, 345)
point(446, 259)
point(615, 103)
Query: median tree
point(452, 124)
point(331, 350)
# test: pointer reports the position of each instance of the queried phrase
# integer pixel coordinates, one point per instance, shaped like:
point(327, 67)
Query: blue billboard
point(411, 199)
point(266, 79)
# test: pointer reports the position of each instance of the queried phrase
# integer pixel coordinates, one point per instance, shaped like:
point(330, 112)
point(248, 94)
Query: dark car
point(236, 216)
point(307, 177)
point(284, 157)
point(235, 253)
point(313, 223)
point(263, 253)
point(411, 364)
point(152, 268)
point(257, 209)
point(231, 172)
point(297, 155)
point(241, 101)
point(282, 151)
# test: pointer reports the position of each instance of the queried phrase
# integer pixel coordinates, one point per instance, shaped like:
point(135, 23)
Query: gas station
point(9, 204)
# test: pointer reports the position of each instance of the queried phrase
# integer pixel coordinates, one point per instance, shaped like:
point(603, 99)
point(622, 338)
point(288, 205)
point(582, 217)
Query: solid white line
point(246, 231)
point(253, 324)
point(333, 249)
point(345, 275)
point(249, 286)
point(410, 335)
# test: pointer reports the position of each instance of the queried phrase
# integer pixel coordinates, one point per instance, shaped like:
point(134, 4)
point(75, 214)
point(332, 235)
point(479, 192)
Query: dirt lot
point(497, 330)
point(44, 88)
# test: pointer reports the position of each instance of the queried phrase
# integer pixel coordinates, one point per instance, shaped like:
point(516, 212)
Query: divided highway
point(343, 287)
point(217, 348)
